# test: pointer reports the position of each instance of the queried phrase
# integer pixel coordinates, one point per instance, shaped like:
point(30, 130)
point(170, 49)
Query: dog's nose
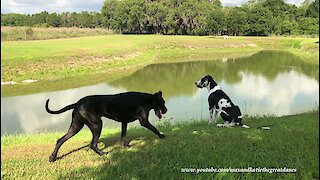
point(164, 110)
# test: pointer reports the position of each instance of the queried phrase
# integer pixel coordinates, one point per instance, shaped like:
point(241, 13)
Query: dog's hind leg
point(95, 125)
point(123, 135)
point(232, 123)
point(75, 127)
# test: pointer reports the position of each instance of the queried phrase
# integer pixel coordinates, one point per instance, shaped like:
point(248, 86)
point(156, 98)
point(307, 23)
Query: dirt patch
point(310, 49)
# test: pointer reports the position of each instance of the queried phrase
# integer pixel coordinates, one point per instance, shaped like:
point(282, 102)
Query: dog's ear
point(158, 94)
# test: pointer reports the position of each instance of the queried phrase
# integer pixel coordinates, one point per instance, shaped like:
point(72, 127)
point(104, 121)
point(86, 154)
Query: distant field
point(37, 33)
point(292, 143)
point(61, 58)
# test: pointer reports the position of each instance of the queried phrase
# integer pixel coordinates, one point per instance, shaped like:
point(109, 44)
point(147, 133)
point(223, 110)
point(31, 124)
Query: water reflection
point(178, 78)
point(270, 82)
point(26, 114)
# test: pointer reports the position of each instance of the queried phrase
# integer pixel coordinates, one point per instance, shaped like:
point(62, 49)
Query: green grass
point(292, 142)
point(62, 58)
point(306, 48)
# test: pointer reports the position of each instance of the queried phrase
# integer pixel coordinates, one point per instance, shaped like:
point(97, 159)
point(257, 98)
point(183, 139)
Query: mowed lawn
point(61, 58)
point(292, 143)
point(106, 45)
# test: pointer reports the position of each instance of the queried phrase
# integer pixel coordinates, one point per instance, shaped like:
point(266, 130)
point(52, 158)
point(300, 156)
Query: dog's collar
point(217, 87)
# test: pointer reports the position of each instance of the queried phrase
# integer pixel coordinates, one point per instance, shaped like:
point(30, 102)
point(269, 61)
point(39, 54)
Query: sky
point(59, 6)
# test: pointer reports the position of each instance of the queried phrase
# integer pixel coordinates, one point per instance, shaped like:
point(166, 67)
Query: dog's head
point(158, 104)
point(205, 81)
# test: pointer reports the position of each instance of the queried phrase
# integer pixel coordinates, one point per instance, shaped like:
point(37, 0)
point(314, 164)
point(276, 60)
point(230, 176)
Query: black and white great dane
point(220, 103)
point(124, 107)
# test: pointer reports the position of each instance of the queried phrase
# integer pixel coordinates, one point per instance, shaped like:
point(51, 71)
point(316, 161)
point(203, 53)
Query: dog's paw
point(162, 136)
point(126, 146)
point(245, 126)
point(220, 125)
point(103, 153)
point(52, 158)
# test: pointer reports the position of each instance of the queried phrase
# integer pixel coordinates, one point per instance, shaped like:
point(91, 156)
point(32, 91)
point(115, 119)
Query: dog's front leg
point(210, 118)
point(123, 135)
point(215, 116)
point(145, 123)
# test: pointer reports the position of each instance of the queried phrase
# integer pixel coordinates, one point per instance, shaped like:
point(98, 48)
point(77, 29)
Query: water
point(266, 83)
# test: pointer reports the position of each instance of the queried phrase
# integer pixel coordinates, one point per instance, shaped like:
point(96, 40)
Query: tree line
point(185, 17)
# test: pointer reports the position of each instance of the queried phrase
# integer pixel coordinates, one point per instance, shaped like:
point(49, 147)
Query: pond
point(266, 83)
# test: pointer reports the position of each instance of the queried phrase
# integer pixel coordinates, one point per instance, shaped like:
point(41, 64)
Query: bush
point(4, 35)
point(29, 31)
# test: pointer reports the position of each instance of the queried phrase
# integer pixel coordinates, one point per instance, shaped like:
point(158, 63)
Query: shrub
point(29, 31)
point(4, 35)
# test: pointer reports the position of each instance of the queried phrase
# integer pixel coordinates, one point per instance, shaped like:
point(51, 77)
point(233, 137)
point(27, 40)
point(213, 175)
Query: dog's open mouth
point(158, 113)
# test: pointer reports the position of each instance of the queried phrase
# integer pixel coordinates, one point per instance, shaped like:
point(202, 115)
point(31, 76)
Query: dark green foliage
point(313, 9)
point(188, 17)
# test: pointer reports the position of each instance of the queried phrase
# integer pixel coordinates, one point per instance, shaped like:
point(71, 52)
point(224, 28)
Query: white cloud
point(232, 2)
point(51, 6)
point(295, 2)
point(257, 95)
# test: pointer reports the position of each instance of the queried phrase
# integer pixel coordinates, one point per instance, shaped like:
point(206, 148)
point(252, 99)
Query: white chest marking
point(217, 87)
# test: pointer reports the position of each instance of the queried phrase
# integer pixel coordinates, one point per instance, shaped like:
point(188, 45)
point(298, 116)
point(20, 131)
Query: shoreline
point(127, 51)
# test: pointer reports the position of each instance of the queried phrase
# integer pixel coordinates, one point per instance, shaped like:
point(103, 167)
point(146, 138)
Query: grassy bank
point(62, 58)
point(37, 33)
point(292, 142)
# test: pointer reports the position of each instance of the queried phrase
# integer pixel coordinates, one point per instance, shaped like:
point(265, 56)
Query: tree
point(187, 17)
point(156, 13)
point(114, 15)
point(74, 19)
point(40, 18)
point(13, 19)
point(84, 19)
point(216, 3)
point(53, 20)
point(236, 20)
point(137, 19)
point(216, 20)
point(96, 19)
point(259, 21)
point(313, 9)
point(309, 25)
point(277, 7)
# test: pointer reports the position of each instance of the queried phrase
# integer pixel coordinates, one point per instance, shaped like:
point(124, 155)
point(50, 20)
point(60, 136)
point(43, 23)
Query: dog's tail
point(244, 126)
point(71, 106)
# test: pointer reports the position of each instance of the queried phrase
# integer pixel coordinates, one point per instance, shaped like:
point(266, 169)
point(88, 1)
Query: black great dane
point(124, 107)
